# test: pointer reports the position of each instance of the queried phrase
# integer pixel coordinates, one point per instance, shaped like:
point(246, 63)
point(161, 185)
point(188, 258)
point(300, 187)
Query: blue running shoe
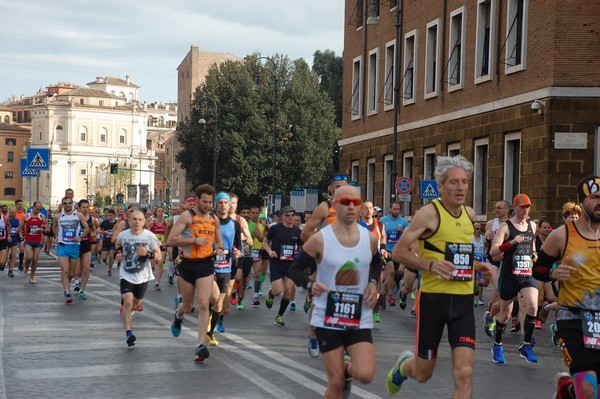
point(130, 339)
point(498, 353)
point(176, 326)
point(220, 326)
point(313, 347)
point(395, 378)
point(526, 352)
point(293, 307)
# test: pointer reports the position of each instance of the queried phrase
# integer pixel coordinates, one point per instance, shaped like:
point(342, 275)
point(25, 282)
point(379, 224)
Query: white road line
point(2, 380)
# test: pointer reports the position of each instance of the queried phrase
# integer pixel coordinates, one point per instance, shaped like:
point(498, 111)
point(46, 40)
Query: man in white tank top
point(348, 265)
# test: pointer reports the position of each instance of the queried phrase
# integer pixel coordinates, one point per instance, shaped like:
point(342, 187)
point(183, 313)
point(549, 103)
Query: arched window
point(59, 135)
point(83, 134)
point(6, 119)
point(122, 136)
point(103, 133)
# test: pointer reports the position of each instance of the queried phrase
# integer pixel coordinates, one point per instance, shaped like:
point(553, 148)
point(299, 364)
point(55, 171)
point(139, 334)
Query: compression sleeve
point(543, 265)
point(375, 267)
point(297, 270)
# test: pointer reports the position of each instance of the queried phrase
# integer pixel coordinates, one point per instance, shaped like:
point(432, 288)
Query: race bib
point(69, 235)
point(222, 263)
point(343, 310)
point(33, 230)
point(256, 255)
point(393, 236)
point(160, 237)
point(590, 324)
point(522, 265)
point(287, 252)
point(13, 231)
point(461, 256)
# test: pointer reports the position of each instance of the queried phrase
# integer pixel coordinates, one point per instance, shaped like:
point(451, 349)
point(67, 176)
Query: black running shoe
point(201, 353)
point(131, 340)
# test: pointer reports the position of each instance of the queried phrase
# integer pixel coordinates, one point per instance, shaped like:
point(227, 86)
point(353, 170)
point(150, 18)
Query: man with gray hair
point(444, 231)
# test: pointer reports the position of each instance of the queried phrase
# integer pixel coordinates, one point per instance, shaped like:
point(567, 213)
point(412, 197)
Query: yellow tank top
point(258, 244)
point(580, 289)
point(451, 241)
point(199, 228)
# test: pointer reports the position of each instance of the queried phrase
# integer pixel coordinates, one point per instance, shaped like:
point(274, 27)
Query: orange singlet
point(197, 229)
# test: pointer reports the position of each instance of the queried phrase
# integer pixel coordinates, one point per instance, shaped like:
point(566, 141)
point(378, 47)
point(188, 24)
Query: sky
point(44, 42)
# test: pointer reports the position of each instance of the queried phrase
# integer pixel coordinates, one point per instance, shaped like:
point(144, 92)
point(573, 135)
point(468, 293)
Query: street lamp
point(203, 104)
point(374, 20)
point(273, 73)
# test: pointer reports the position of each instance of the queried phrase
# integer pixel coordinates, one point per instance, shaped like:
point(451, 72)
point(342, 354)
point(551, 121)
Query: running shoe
point(140, 308)
point(293, 307)
point(413, 314)
point(171, 279)
point(130, 339)
point(25, 271)
point(220, 326)
point(269, 301)
point(538, 324)
point(413, 295)
point(156, 287)
point(488, 323)
point(82, 295)
point(395, 378)
point(392, 301)
point(526, 352)
point(376, 317)
point(21, 269)
point(347, 379)
point(176, 326)
point(480, 302)
point(313, 347)
point(383, 302)
point(474, 302)
point(212, 341)
point(233, 300)
point(260, 293)
point(498, 353)
point(255, 301)
point(32, 279)
point(109, 273)
point(201, 353)
point(515, 326)
point(543, 315)
point(403, 302)
point(553, 337)
point(307, 304)
point(279, 321)
point(69, 298)
point(562, 380)
point(240, 304)
point(11, 273)
point(77, 286)
point(2, 267)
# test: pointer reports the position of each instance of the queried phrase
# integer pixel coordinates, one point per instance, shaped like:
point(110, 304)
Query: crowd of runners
point(350, 263)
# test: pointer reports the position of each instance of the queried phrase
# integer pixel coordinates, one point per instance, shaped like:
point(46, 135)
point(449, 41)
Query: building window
point(390, 75)
point(10, 157)
point(429, 164)
point(453, 149)
point(516, 38)
point(480, 177)
point(8, 174)
point(407, 171)
point(101, 103)
point(122, 136)
point(102, 135)
point(371, 179)
point(359, 13)
point(357, 88)
point(372, 83)
point(81, 101)
point(512, 164)
point(83, 134)
point(10, 191)
point(82, 172)
point(387, 181)
point(457, 46)
point(432, 59)
point(483, 46)
point(6, 119)
point(41, 135)
point(410, 62)
point(10, 141)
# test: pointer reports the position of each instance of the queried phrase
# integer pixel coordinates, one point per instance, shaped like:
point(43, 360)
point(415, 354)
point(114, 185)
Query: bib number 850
point(461, 259)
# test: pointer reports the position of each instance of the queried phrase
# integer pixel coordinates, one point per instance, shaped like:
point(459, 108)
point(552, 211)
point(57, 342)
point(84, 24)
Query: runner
point(136, 250)
point(85, 250)
point(574, 248)
point(20, 212)
point(67, 227)
point(241, 266)
point(260, 260)
point(48, 235)
point(5, 241)
point(158, 226)
point(394, 226)
point(444, 231)
point(348, 265)
point(281, 242)
point(108, 233)
point(33, 225)
point(14, 243)
point(516, 241)
point(197, 233)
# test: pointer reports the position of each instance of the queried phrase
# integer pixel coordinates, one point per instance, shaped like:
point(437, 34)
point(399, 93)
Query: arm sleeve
point(375, 267)
point(542, 267)
point(298, 268)
point(237, 241)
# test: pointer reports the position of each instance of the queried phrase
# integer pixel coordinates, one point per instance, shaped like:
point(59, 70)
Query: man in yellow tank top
point(444, 230)
point(198, 234)
point(575, 248)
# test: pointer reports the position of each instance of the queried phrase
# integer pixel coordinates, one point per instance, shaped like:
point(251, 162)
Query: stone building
point(512, 85)
point(12, 142)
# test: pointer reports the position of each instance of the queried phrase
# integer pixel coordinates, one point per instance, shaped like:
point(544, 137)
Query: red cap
point(521, 200)
point(191, 200)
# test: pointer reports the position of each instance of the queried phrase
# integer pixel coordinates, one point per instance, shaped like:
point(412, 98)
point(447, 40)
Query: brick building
point(12, 143)
point(512, 85)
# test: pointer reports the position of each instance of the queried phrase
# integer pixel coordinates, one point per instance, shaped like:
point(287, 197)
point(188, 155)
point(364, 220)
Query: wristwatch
point(309, 284)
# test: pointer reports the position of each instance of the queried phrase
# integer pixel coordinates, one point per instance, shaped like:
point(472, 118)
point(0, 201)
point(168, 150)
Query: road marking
point(2, 381)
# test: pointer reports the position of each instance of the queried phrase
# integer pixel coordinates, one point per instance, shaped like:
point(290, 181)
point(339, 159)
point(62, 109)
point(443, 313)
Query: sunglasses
point(67, 203)
point(340, 178)
point(288, 214)
point(348, 201)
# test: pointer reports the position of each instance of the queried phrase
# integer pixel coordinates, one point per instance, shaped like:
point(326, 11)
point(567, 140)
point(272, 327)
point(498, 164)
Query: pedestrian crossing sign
point(38, 158)
point(25, 171)
point(429, 189)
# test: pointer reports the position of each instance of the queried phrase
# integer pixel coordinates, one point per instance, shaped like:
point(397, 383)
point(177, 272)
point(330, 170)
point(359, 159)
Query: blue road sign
point(38, 158)
point(25, 171)
point(429, 189)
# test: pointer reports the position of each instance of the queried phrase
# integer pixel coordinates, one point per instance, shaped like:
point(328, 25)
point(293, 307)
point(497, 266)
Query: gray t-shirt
point(132, 268)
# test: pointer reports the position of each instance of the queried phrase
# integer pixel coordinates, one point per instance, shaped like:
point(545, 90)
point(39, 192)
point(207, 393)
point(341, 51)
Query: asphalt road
point(49, 349)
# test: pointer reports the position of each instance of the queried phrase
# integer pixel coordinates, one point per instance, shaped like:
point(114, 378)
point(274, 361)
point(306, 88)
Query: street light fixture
point(273, 74)
point(374, 20)
point(203, 104)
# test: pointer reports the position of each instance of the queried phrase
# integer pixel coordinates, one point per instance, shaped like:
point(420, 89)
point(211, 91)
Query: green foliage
point(108, 200)
point(289, 103)
point(98, 200)
point(329, 68)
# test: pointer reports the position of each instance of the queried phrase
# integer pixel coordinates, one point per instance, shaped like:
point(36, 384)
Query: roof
point(84, 92)
point(14, 128)
point(108, 80)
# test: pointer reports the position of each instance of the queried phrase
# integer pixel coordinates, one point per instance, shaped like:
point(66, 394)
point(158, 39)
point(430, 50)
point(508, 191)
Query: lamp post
point(273, 74)
point(203, 104)
point(374, 20)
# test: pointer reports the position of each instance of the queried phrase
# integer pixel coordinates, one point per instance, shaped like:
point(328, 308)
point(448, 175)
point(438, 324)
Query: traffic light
point(114, 168)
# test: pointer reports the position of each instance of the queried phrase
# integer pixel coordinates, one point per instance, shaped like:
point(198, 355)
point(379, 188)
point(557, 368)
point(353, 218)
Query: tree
point(329, 68)
point(305, 124)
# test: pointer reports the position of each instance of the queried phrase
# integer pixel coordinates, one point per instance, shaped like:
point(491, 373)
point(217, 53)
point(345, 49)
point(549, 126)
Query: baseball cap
point(521, 200)
point(378, 209)
point(287, 209)
point(191, 200)
point(588, 186)
point(262, 216)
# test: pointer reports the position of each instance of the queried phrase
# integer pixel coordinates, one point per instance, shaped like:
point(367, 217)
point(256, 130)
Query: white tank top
point(344, 270)
point(68, 228)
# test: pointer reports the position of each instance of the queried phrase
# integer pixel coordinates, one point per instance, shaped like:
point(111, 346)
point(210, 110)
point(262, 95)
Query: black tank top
point(518, 258)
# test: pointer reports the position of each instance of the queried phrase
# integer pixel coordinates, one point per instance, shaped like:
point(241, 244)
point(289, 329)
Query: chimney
point(127, 79)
